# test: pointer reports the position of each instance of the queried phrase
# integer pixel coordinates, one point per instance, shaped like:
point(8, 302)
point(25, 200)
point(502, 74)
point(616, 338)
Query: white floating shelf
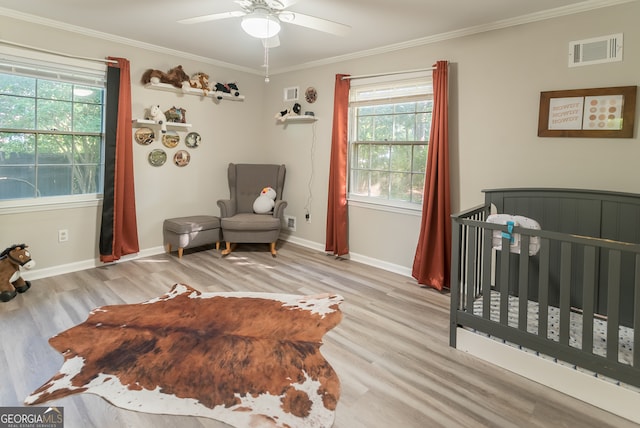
point(191, 91)
point(171, 126)
point(299, 119)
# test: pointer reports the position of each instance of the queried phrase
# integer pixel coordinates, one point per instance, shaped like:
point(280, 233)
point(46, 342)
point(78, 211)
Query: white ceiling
point(377, 25)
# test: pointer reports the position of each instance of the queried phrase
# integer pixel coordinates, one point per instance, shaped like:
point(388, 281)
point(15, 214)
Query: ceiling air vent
point(595, 51)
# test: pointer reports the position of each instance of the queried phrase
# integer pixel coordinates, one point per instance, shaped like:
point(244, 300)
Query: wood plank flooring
point(390, 350)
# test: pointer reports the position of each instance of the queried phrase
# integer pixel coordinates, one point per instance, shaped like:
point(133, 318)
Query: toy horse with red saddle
point(11, 260)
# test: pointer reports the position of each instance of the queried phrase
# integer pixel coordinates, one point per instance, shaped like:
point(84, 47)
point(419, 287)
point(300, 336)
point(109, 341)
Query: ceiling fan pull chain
point(266, 62)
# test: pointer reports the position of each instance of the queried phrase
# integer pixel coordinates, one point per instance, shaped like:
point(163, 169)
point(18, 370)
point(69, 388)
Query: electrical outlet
point(307, 217)
point(63, 235)
point(290, 222)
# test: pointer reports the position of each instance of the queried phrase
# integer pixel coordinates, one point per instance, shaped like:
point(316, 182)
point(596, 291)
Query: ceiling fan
point(262, 18)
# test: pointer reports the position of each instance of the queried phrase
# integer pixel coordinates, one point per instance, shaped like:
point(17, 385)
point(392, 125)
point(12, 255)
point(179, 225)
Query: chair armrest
point(278, 209)
point(227, 208)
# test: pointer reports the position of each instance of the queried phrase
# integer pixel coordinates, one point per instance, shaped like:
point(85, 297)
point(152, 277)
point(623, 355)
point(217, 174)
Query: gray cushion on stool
point(192, 231)
point(192, 223)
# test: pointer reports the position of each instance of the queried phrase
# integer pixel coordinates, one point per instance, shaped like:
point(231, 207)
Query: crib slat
point(565, 291)
point(523, 283)
point(543, 289)
point(455, 282)
point(471, 277)
point(478, 260)
point(504, 282)
point(588, 297)
point(613, 304)
point(486, 274)
point(636, 316)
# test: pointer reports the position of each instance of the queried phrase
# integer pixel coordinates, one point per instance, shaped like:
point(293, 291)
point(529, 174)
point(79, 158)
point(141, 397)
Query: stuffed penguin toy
point(265, 202)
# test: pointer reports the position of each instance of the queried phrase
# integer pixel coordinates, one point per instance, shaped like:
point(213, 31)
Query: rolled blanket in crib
point(512, 221)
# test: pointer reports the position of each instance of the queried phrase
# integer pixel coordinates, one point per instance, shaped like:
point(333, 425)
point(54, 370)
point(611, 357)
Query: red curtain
point(337, 213)
point(432, 262)
point(119, 230)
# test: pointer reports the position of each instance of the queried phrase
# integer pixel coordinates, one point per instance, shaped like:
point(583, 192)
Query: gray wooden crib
point(577, 299)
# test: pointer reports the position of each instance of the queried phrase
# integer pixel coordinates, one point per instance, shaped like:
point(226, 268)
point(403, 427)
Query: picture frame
point(591, 113)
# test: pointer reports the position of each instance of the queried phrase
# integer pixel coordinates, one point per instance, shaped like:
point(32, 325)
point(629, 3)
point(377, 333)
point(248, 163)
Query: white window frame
point(45, 65)
point(379, 203)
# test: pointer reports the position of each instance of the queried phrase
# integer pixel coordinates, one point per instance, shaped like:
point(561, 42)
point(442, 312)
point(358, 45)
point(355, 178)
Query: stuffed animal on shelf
point(176, 76)
point(233, 89)
point(200, 81)
point(284, 114)
point(11, 260)
point(158, 117)
point(226, 88)
point(265, 202)
point(176, 115)
point(221, 89)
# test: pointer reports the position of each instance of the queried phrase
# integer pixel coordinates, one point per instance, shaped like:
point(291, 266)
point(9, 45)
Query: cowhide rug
point(247, 359)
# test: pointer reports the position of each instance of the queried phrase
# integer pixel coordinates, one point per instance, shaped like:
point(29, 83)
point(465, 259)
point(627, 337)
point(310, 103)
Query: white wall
point(495, 82)
point(230, 130)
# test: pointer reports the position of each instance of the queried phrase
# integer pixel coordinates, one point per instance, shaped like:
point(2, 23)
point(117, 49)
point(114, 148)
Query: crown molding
point(497, 25)
point(121, 40)
point(584, 6)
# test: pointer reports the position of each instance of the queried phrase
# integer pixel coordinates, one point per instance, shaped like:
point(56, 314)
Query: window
point(389, 128)
point(51, 131)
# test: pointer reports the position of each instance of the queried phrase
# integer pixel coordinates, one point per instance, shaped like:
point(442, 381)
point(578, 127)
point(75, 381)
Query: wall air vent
point(595, 51)
point(291, 94)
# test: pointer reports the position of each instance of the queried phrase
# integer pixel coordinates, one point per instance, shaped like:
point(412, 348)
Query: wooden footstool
point(193, 231)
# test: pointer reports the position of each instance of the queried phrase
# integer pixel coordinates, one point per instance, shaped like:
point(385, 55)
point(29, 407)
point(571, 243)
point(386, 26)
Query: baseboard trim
point(369, 261)
point(85, 264)
point(597, 392)
point(93, 263)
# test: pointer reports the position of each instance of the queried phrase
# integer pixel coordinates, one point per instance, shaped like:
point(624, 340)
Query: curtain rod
point(364, 76)
point(33, 48)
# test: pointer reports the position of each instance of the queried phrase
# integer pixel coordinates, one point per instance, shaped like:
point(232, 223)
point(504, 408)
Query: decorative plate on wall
point(311, 95)
point(181, 158)
point(157, 157)
point(192, 140)
point(170, 139)
point(145, 136)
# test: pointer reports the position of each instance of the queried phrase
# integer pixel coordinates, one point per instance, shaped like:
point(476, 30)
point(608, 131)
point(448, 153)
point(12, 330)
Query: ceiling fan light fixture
point(260, 24)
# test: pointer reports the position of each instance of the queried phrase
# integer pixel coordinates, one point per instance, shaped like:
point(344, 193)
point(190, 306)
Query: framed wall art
point(598, 112)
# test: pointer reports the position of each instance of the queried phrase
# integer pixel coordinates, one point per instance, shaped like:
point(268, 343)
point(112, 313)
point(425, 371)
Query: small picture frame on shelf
point(176, 115)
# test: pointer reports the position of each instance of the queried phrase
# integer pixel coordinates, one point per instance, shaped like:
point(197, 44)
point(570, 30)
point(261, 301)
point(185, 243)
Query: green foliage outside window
point(50, 137)
point(389, 150)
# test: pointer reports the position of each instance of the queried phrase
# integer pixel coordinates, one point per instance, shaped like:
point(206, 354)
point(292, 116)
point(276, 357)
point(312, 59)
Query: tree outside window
point(51, 135)
point(389, 134)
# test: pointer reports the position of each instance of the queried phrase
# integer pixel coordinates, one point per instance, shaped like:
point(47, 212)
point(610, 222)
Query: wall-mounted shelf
point(191, 91)
point(171, 126)
point(299, 119)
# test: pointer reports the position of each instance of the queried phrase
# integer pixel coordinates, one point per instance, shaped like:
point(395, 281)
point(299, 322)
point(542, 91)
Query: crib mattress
point(625, 337)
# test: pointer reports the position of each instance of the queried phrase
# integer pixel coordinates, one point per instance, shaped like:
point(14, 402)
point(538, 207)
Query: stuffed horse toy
point(11, 260)
point(158, 117)
point(176, 77)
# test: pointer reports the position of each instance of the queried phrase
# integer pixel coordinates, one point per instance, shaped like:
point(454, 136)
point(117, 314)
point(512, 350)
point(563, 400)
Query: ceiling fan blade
point(314, 23)
point(272, 42)
point(244, 3)
point(280, 4)
point(213, 17)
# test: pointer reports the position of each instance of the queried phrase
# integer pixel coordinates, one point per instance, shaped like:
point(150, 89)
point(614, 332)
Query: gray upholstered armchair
point(238, 222)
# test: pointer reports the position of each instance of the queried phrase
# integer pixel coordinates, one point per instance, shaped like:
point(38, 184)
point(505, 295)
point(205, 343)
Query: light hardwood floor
point(390, 350)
